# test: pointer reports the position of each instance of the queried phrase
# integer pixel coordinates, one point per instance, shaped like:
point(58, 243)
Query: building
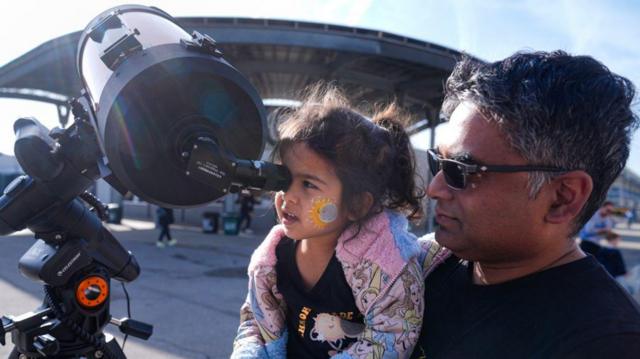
point(625, 191)
point(280, 58)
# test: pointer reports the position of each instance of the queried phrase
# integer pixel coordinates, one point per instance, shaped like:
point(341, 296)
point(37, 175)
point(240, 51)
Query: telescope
point(161, 114)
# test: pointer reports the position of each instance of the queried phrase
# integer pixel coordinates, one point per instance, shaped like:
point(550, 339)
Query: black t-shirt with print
point(322, 321)
point(575, 310)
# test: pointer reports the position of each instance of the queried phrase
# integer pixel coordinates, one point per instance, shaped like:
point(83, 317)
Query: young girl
point(340, 276)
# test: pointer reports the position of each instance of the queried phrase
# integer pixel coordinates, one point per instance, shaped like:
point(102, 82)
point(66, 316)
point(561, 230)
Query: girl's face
point(311, 208)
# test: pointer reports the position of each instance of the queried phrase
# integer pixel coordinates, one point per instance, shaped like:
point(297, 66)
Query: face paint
point(323, 211)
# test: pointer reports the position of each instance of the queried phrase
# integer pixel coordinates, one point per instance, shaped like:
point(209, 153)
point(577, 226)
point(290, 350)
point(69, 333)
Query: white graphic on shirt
point(333, 330)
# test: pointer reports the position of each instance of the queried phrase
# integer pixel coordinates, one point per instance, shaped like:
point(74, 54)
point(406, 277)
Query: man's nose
point(437, 188)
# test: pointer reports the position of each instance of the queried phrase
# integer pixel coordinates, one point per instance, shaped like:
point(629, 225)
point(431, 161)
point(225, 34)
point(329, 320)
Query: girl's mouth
point(288, 218)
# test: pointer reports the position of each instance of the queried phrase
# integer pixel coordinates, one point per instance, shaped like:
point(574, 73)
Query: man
point(533, 144)
point(600, 227)
point(631, 216)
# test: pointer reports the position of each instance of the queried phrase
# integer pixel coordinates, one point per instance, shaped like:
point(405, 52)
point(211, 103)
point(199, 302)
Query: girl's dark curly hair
point(370, 155)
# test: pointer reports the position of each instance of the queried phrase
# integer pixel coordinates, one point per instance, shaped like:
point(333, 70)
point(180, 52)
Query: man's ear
point(570, 192)
point(364, 203)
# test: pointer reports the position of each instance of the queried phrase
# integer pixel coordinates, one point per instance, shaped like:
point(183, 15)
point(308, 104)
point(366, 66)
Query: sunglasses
point(456, 172)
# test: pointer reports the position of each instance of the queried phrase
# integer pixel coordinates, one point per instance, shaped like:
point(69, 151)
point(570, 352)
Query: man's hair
point(555, 110)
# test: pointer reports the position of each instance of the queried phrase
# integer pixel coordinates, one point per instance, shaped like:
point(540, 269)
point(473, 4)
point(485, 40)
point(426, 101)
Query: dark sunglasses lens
point(453, 174)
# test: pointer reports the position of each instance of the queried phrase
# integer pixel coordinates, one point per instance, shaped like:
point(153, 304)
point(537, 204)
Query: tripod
point(75, 256)
point(171, 121)
point(70, 257)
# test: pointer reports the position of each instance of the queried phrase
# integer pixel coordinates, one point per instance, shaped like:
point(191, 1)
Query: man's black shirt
point(575, 310)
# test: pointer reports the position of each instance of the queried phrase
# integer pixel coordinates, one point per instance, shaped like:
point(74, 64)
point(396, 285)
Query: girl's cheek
point(323, 212)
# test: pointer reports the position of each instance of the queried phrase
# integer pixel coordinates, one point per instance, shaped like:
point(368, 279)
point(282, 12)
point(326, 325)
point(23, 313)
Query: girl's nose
point(289, 197)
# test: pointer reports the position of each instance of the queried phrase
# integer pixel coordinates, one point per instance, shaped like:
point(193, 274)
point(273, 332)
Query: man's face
point(493, 218)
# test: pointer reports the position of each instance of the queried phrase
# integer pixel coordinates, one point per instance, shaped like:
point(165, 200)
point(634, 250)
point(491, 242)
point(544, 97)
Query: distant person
point(164, 218)
point(533, 144)
point(340, 274)
point(247, 202)
point(631, 216)
point(600, 227)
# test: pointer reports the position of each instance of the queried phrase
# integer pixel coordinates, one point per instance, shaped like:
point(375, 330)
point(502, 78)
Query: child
point(340, 276)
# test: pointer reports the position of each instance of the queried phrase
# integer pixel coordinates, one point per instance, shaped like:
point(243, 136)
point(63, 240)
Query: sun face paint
point(323, 211)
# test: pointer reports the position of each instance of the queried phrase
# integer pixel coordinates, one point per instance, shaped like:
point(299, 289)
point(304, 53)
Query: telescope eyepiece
point(262, 176)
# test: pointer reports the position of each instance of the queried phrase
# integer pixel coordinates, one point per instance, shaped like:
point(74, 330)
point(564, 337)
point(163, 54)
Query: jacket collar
point(383, 240)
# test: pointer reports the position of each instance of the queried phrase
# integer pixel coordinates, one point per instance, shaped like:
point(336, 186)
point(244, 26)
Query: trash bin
point(115, 213)
point(210, 222)
point(230, 224)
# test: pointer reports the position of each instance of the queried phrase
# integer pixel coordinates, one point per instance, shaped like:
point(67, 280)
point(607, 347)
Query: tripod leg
point(14, 354)
point(113, 347)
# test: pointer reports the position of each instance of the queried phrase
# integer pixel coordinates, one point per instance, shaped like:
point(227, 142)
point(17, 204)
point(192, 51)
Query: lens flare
point(119, 115)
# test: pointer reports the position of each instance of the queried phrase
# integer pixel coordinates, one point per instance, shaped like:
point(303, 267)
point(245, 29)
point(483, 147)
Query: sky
point(488, 29)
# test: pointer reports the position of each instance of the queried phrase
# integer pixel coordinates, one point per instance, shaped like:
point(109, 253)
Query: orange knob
point(92, 292)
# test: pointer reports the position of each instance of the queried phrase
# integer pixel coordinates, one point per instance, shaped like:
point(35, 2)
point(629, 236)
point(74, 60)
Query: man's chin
point(449, 240)
point(442, 235)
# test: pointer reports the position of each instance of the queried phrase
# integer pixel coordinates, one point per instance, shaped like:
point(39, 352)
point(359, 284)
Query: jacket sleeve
point(393, 319)
point(431, 255)
point(261, 333)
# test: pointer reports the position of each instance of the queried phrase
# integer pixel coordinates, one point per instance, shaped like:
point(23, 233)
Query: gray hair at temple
point(555, 110)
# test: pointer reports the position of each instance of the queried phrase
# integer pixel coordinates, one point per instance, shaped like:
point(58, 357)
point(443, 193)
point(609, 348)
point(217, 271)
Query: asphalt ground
point(191, 292)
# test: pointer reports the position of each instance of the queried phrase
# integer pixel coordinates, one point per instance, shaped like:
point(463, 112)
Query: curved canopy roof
point(279, 57)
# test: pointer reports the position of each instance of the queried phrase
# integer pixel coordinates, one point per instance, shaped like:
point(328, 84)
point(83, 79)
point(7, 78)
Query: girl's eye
point(307, 184)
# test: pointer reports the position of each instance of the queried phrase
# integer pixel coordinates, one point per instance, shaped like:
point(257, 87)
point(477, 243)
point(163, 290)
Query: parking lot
point(191, 293)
